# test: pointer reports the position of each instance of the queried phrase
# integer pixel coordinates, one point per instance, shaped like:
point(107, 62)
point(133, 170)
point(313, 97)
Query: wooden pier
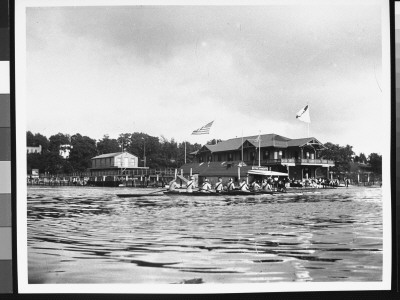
point(111, 178)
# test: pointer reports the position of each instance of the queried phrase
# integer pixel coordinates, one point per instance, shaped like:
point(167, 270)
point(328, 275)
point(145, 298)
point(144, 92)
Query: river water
point(89, 235)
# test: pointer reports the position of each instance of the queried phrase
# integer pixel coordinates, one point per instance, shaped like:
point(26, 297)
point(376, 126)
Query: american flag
point(203, 130)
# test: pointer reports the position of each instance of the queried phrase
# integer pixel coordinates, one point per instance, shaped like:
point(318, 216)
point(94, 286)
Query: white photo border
point(20, 92)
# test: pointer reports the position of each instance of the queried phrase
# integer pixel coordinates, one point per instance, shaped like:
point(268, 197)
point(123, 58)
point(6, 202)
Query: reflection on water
point(89, 235)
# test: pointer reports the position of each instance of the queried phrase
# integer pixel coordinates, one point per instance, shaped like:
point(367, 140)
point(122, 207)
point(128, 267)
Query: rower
point(255, 186)
point(243, 186)
point(265, 186)
point(190, 185)
point(173, 186)
point(231, 185)
point(218, 186)
point(205, 187)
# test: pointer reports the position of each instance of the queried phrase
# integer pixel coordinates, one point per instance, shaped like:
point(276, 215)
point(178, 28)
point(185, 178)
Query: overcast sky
point(168, 70)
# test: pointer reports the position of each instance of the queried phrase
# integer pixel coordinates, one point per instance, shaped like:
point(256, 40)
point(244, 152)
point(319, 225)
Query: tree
point(107, 145)
point(83, 149)
point(375, 160)
point(30, 139)
point(142, 145)
point(35, 161)
point(34, 140)
point(58, 139)
point(214, 141)
point(362, 159)
point(342, 156)
point(124, 140)
point(55, 164)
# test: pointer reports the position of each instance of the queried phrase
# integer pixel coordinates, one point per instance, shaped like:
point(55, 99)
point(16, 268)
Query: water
point(89, 235)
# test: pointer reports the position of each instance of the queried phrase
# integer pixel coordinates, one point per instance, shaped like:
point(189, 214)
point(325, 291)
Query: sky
point(168, 70)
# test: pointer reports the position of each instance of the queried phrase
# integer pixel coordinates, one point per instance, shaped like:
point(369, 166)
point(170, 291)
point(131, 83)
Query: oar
point(139, 195)
point(156, 192)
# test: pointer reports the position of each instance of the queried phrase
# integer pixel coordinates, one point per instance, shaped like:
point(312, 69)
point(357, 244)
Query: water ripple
point(334, 235)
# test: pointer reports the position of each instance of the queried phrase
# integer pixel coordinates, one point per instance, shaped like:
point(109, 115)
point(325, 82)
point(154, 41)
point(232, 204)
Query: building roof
point(111, 155)
point(303, 141)
point(267, 140)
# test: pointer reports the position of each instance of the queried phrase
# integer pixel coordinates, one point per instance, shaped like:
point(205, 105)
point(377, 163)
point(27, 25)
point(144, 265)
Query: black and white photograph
point(203, 147)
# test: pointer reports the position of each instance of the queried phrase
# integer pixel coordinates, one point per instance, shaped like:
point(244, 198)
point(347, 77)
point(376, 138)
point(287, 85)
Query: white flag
point(304, 114)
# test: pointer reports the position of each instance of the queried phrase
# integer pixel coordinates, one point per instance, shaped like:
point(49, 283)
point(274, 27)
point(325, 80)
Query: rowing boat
point(224, 193)
point(198, 193)
point(137, 195)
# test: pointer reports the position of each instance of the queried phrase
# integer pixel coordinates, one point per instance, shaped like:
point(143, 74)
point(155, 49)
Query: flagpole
point(185, 152)
point(242, 144)
point(308, 124)
point(259, 148)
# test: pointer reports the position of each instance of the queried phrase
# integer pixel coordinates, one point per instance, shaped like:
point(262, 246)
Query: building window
point(280, 154)
point(275, 154)
point(219, 157)
point(230, 158)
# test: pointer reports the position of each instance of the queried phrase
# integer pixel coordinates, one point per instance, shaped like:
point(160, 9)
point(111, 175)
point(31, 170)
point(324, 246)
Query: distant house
point(34, 149)
point(118, 160)
point(65, 150)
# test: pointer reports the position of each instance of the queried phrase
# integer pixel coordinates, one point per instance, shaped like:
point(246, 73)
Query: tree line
point(346, 159)
point(160, 152)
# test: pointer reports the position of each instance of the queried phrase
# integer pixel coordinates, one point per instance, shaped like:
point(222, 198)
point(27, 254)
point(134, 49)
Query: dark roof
point(231, 144)
point(267, 140)
point(111, 155)
point(303, 141)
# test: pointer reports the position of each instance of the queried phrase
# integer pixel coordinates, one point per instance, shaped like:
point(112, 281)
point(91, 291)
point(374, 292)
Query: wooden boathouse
point(121, 168)
point(299, 159)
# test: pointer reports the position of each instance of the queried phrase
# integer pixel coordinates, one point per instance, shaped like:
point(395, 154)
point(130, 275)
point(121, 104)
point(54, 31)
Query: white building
point(34, 149)
point(65, 150)
point(115, 160)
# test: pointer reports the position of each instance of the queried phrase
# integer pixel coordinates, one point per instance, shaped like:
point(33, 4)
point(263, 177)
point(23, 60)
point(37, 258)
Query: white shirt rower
point(190, 185)
point(219, 186)
point(205, 187)
point(255, 186)
point(231, 185)
point(172, 186)
point(243, 187)
point(265, 185)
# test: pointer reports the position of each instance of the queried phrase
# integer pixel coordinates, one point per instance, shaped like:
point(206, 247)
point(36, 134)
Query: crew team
point(269, 184)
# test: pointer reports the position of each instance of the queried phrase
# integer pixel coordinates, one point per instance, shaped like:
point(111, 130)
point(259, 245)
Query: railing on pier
point(314, 161)
point(278, 161)
point(145, 176)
